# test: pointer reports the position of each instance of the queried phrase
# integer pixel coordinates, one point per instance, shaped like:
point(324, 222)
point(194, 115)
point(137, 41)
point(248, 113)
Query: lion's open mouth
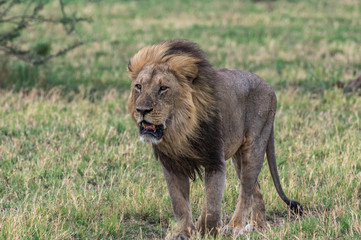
point(154, 130)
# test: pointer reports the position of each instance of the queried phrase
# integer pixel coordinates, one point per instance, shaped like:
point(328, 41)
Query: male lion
point(196, 117)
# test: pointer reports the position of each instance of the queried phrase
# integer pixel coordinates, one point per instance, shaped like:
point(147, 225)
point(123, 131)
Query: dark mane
point(207, 146)
point(208, 149)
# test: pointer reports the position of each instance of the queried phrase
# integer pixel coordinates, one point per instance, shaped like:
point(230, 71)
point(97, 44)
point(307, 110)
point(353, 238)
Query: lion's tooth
point(154, 130)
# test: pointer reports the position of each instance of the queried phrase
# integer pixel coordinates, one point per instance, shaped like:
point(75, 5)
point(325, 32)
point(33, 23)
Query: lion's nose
point(144, 111)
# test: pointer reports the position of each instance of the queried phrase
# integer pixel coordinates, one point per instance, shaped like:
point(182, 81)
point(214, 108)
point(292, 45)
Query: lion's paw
point(177, 237)
point(209, 227)
point(250, 228)
point(227, 230)
point(180, 237)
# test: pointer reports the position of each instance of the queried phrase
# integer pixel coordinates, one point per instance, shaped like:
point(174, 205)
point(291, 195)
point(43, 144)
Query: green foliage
point(42, 48)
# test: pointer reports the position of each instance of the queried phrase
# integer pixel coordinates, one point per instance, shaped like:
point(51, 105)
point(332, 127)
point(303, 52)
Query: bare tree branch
point(66, 19)
point(30, 15)
point(14, 19)
point(7, 9)
point(34, 58)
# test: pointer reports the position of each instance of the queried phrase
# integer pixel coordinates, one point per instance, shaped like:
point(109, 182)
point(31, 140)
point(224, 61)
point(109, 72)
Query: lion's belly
point(233, 114)
point(233, 133)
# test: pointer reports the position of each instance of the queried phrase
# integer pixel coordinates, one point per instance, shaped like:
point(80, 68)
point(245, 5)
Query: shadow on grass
point(19, 76)
point(137, 229)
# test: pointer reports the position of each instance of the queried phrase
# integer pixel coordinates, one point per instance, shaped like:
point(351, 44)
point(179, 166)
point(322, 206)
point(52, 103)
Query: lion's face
point(154, 93)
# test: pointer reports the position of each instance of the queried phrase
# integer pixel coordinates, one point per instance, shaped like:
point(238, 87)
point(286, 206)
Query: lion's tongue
point(149, 127)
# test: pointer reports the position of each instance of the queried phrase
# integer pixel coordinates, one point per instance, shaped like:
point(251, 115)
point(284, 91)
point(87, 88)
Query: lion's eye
point(163, 88)
point(138, 86)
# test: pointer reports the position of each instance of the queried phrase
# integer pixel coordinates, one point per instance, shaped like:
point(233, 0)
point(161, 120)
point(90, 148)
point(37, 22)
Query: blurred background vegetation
point(309, 44)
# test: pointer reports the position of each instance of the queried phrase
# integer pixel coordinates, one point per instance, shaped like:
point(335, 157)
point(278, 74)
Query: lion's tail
point(295, 207)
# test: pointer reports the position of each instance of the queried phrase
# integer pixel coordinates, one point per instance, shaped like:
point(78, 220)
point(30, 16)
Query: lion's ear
point(146, 56)
point(185, 66)
point(130, 70)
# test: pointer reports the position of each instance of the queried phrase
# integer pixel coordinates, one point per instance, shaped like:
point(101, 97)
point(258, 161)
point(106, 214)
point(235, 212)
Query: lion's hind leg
point(248, 163)
point(258, 214)
point(248, 167)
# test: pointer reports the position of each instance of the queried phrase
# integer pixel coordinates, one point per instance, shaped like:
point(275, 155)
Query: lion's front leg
point(178, 187)
point(211, 217)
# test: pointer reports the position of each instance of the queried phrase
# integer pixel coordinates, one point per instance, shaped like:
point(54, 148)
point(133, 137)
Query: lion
point(195, 118)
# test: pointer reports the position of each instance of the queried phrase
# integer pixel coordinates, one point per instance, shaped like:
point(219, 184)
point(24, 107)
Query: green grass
point(71, 164)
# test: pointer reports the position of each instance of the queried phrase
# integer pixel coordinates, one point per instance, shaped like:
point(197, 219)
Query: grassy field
point(71, 164)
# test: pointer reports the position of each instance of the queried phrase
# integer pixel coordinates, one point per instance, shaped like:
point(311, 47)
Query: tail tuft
point(296, 208)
